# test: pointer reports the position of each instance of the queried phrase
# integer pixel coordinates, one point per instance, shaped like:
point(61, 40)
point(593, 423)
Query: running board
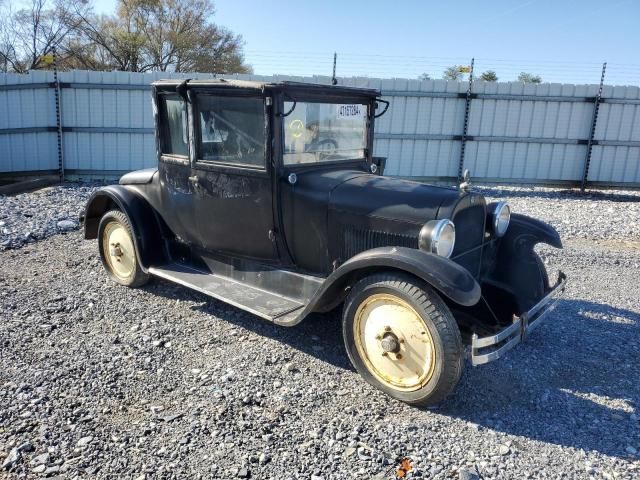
point(265, 304)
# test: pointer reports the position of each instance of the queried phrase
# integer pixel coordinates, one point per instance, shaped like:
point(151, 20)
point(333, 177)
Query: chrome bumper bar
point(488, 349)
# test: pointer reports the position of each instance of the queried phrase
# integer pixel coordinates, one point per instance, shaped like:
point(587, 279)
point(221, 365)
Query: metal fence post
point(467, 106)
point(594, 123)
point(334, 80)
point(56, 82)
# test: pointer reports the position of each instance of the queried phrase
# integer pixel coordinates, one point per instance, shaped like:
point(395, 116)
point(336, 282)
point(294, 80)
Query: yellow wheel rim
point(394, 342)
point(119, 251)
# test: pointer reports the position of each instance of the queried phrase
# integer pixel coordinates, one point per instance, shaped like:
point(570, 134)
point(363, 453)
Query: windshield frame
point(326, 98)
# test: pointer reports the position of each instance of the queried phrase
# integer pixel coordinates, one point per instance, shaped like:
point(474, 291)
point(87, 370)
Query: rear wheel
point(402, 338)
point(117, 251)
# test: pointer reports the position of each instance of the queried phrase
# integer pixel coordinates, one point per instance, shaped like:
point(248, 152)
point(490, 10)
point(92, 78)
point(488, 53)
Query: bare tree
point(217, 50)
point(28, 36)
point(182, 38)
point(115, 42)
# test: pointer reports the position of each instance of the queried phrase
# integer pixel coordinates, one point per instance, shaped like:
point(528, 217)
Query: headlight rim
point(497, 210)
point(430, 234)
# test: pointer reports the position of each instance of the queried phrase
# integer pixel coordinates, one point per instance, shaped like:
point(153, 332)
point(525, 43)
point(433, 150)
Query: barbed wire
point(412, 67)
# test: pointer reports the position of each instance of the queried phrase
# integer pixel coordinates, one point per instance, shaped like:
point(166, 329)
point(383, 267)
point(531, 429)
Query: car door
point(234, 190)
point(177, 192)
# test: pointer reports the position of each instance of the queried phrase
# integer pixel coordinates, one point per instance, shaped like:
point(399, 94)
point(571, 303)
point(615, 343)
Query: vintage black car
point(266, 197)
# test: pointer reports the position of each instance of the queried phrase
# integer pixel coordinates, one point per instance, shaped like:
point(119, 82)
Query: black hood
point(370, 211)
point(392, 199)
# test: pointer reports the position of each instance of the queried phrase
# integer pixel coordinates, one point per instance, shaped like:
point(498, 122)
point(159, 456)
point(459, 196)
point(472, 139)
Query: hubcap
point(394, 342)
point(118, 250)
point(390, 343)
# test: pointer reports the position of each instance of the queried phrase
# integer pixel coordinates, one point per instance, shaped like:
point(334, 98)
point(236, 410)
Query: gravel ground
point(100, 381)
point(29, 217)
point(594, 215)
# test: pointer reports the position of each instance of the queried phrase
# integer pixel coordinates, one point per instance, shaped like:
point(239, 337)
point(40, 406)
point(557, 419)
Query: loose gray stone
point(466, 474)
point(12, 459)
point(171, 418)
point(26, 447)
point(66, 225)
point(84, 441)
point(43, 458)
point(52, 470)
point(243, 473)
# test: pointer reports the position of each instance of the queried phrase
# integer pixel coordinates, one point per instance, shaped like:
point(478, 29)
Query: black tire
point(543, 273)
point(436, 316)
point(138, 277)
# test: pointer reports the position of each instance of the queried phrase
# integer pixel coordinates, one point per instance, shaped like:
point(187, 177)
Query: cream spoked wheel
point(402, 338)
point(394, 342)
point(117, 250)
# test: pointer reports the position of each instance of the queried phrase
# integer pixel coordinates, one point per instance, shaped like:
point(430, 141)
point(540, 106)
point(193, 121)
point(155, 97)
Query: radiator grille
point(470, 228)
point(469, 224)
point(359, 240)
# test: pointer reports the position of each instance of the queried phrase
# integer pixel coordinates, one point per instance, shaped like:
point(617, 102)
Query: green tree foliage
point(525, 77)
point(424, 76)
point(489, 76)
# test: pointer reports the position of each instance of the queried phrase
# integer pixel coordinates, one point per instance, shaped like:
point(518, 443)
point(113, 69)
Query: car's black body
point(306, 239)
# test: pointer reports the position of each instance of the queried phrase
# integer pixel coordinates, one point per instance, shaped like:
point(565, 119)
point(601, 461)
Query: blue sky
point(560, 40)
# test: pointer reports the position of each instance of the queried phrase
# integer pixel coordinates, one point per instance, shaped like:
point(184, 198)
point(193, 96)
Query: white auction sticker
point(350, 111)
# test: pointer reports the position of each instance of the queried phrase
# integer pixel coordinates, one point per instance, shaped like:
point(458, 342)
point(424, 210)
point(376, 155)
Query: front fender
point(526, 232)
point(146, 229)
point(445, 276)
point(519, 270)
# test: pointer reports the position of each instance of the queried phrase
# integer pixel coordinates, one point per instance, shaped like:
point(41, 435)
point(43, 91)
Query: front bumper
point(488, 349)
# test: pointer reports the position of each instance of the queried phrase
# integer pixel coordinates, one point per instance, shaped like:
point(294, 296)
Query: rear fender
point(148, 237)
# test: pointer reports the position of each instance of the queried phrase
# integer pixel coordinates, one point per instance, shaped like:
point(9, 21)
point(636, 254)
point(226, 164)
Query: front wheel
point(117, 251)
point(402, 338)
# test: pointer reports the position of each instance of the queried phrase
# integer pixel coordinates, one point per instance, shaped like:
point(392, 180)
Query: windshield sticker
point(296, 127)
point(350, 111)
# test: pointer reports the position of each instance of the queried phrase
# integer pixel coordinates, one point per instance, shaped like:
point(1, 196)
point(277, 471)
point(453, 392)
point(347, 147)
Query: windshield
point(324, 132)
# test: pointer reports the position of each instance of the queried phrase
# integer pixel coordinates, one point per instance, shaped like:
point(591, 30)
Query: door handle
point(194, 180)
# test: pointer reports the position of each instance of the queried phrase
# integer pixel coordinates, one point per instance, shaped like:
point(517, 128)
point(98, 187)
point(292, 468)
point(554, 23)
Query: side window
point(174, 139)
point(232, 130)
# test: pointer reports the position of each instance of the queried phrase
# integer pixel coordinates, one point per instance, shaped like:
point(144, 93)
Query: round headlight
point(439, 237)
point(501, 218)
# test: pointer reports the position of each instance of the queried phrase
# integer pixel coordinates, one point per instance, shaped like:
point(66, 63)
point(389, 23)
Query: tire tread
point(435, 308)
point(140, 277)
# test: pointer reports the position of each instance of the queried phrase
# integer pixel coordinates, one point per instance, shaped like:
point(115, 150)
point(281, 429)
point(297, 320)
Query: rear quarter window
point(174, 139)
